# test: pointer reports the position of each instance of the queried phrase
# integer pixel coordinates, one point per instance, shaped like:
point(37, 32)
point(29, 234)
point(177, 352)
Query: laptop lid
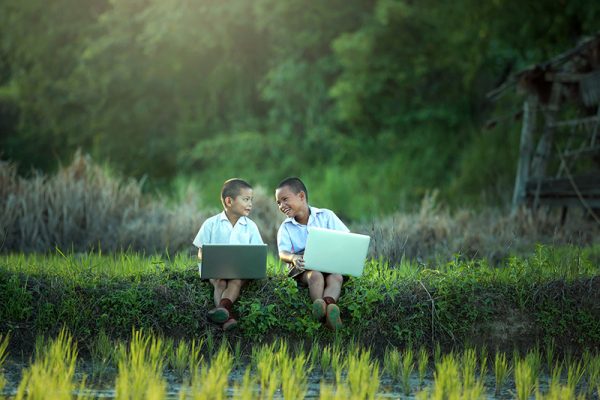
point(233, 261)
point(336, 251)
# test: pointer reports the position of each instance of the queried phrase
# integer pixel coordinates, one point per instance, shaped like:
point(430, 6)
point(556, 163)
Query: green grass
point(452, 303)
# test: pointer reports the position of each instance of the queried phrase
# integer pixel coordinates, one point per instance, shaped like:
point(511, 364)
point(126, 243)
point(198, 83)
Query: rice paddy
point(149, 366)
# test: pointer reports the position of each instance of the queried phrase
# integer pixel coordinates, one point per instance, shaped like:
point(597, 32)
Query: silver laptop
point(336, 251)
point(233, 261)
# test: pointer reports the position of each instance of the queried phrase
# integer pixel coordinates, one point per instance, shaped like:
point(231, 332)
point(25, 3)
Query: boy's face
point(290, 203)
point(241, 205)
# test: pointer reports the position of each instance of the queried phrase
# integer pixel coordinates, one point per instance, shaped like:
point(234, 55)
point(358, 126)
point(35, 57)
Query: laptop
point(233, 261)
point(336, 251)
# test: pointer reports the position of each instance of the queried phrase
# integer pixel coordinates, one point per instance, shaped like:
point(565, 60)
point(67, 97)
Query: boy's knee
point(235, 283)
point(219, 284)
point(335, 279)
point(315, 277)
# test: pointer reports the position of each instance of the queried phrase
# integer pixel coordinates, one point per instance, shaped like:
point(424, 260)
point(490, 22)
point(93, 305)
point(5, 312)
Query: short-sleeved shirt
point(217, 229)
point(291, 236)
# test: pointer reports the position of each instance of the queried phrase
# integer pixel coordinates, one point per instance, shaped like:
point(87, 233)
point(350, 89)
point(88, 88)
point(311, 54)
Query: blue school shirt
point(291, 236)
point(217, 229)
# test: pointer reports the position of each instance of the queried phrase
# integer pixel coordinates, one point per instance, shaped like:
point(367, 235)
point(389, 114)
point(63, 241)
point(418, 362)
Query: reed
point(423, 361)
point(408, 367)
point(501, 371)
point(524, 379)
point(51, 375)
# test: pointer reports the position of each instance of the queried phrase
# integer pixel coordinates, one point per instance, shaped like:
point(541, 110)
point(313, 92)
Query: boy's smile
point(292, 204)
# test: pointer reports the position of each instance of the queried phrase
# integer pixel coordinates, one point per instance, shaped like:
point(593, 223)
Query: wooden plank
point(525, 149)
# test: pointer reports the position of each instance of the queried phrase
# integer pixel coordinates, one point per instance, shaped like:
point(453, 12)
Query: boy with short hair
point(324, 289)
point(231, 226)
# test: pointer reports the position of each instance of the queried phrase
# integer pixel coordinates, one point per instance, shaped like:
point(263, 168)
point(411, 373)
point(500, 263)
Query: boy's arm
point(200, 253)
point(297, 260)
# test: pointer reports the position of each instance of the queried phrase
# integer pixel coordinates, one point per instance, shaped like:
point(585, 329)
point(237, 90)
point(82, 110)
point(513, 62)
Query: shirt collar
point(313, 212)
point(223, 217)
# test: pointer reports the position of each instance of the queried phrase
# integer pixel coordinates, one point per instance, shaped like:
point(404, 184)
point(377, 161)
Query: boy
point(324, 288)
point(232, 226)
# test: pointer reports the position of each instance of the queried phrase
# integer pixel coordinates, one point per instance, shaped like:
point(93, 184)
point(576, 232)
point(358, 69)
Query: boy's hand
point(298, 261)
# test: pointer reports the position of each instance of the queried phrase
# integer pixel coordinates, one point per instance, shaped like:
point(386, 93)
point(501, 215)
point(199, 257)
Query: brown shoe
point(230, 324)
point(332, 318)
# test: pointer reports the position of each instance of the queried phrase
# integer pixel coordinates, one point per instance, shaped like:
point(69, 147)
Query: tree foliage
point(388, 94)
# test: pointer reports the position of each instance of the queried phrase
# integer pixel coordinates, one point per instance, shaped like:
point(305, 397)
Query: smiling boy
point(324, 289)
point(231, 226)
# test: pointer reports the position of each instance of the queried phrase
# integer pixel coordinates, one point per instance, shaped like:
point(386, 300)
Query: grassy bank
point(552, 295)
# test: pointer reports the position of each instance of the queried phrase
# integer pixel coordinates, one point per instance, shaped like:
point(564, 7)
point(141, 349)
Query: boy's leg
point(315, 282)
point(232, 292)
point(330, 295)
point(221, 312)
point(220, 285)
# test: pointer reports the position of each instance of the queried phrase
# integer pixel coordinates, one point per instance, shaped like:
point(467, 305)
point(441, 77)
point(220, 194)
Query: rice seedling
point(325, 359)
point(195, 357)
point(423, 360)
point(51, 375)
point(391, 363)
point(338, 363)
point(524, 379)
point(211, 381)
point(294, 373)
point(408, 367)
point(446, 383)
point(534, 359)
point(468, 366)
point(556, 374)
point(559, 392)
point(501, 371)
point(575, 372)
point(550, 354)
point(329, 392)
point(483, 362)
point(362, 376)
point(244, 390)
point(179, 358)
point(593, 373)
point(437, 354)
point(314, 355)
point(3, 355)
point(140, 368)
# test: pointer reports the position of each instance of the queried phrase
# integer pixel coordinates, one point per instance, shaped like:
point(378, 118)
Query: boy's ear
point(228, 201)
point(302, 195)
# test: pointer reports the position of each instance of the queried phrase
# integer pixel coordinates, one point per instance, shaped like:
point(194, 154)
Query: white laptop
point(336, 251)
point(233, 261)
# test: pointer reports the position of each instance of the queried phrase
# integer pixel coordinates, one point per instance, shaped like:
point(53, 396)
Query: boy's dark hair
point(232, 187)
point(295, 184)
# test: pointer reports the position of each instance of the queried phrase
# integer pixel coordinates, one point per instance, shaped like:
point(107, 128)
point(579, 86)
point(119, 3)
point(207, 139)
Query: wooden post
point(544, 147)
point(525, 149)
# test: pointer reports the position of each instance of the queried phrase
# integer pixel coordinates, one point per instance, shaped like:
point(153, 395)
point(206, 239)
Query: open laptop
point(336, 251)
point(233, 261)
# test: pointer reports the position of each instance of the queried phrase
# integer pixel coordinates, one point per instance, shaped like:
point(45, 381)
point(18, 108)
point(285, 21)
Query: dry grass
point(436, 234)
point(83, 207)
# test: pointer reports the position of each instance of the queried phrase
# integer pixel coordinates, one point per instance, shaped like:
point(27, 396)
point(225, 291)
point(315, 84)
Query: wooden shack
point(559, 158)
